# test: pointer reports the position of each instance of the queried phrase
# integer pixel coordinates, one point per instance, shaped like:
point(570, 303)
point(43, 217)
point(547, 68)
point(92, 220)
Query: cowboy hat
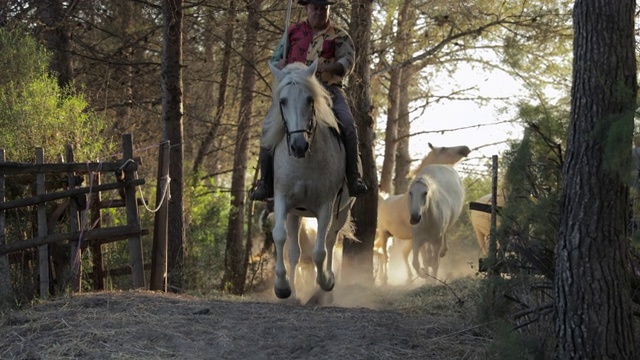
point(316, 2)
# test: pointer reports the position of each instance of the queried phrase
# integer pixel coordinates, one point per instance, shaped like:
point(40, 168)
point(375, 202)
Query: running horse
point(309, 172)
point(393, 210)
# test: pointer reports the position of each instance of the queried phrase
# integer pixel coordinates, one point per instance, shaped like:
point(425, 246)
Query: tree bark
point(390, 133)
point(172, 116)
point(357, 264)
point(235, 261)
point(403, 157)
point(57, 38)
point(593, 305)
point(396, 86)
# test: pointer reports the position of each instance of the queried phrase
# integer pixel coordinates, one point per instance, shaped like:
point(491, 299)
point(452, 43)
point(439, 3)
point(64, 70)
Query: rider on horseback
point(318, 38)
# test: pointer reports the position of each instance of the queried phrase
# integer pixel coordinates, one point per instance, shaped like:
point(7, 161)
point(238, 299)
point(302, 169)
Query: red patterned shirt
point(330, 45)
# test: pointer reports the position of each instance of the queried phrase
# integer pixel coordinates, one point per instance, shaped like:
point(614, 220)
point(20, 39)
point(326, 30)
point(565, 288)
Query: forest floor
point(427, 322)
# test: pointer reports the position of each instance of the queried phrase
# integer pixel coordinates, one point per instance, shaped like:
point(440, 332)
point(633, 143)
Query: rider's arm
point(345, 52)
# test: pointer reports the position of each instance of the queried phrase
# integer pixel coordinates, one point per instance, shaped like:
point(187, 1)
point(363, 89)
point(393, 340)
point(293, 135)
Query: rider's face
point(318, 16)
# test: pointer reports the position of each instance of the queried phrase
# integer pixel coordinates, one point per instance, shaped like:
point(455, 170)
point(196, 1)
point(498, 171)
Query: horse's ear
point(311, 70)
point(430, 146)
point(277, 73)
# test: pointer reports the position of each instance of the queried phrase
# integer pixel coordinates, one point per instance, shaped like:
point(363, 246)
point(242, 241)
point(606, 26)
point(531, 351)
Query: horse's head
point(296, 100)
point(418, 192)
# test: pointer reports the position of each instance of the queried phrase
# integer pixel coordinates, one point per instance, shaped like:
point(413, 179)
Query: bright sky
point(470, 116)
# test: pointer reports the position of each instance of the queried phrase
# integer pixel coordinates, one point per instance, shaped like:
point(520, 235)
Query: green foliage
point(527, 235)
point(206, 236)
point(35, 111)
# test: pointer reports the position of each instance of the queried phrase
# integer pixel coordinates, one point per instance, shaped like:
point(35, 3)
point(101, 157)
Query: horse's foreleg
point(325, 279)
point(406, 250)
point(384, 266)
point(293, 231)
point(416, 246)
point(282, 287)
point(434, 256)
point(444, 248)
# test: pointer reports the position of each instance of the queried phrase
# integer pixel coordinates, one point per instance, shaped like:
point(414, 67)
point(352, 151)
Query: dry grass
point(361, 323)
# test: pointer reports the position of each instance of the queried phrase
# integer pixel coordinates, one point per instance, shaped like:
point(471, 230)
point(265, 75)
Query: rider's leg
point(349, 133)
point(264, 188)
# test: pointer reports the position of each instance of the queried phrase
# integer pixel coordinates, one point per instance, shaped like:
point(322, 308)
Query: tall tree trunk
point(401, 46)
point(235, 262)
point(403, 158)
point(57, 37)
point(222, 88)
point(390, 132)
point(358, 257)
point(594, 318)
point(172, 117)
point(126, 12)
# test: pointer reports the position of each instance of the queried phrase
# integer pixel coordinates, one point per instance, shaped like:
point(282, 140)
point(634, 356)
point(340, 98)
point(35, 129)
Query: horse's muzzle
point(299, 147)
point(415, 219)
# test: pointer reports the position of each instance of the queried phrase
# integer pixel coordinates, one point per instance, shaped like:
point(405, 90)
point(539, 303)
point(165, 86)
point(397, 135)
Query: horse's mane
point(439, 191)
point(295, 76)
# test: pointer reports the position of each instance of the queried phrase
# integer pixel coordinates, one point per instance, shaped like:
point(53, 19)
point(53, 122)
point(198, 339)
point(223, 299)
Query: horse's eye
point(283, 102)
point(310, 100)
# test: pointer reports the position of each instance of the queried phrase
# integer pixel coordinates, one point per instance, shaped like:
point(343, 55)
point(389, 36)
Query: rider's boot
point(355, 183)
point(264, 188)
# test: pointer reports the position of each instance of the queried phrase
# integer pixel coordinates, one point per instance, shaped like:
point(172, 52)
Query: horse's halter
point(310, 130)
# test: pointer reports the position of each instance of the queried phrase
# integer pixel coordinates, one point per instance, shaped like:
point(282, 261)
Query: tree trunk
point(358, 257)
point(57, 38)
point(401, 48)
point(222, 88)
point(594, 317)
point(172, 116)
point(403, 158)
point(390, 132)
point(235, 261)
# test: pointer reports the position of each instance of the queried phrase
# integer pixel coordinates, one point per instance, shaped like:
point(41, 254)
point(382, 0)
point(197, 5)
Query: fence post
point(493, 247)
point(96, 221)
point(43, 250)
point(160, 224)
point(6, 291)
point(135, 244)
point(75, 247)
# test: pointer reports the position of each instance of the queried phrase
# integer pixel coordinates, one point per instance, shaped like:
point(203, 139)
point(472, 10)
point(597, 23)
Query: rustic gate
point(78, 208)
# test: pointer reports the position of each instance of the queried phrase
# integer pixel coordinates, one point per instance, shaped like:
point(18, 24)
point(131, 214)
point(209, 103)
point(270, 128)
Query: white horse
point(393, 214)
point(436, 197)
point(309, 176)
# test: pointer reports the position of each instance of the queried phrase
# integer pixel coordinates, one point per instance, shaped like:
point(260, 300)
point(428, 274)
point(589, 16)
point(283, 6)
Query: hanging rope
point(286, 31)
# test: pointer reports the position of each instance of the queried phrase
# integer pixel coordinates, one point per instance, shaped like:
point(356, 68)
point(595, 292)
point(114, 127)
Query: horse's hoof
point(328, 284)
point(282, 293)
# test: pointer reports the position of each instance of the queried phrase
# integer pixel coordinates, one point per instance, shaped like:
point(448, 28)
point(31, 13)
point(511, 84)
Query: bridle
point(310, 130)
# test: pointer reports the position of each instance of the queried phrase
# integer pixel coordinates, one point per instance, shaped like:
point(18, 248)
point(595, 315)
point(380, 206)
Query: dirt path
point(146, 325)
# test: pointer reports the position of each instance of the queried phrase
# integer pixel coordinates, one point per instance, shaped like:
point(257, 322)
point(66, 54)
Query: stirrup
point(259, 192)
point(358, 188)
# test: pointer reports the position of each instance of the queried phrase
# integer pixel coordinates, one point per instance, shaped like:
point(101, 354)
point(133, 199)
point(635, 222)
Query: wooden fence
point(74, 203)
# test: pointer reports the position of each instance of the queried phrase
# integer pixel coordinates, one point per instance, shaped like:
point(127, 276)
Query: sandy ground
point(148, 325)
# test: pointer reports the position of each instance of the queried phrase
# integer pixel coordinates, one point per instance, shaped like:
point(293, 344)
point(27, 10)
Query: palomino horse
point(393, 214)
point(436, 197)
point(481, 221)
point(309, 176)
